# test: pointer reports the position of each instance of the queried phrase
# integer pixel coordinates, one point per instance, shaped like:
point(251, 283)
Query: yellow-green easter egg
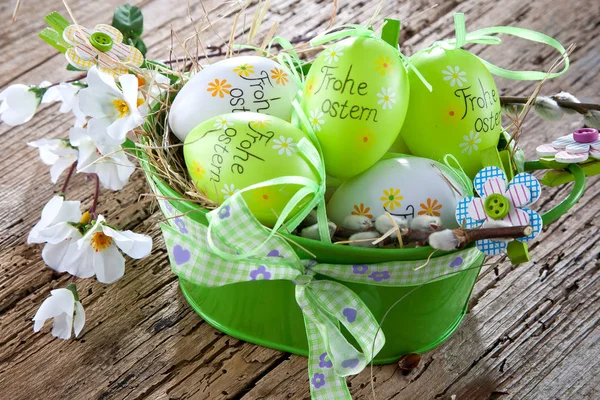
point(355, 98)
point(461, 116)
point(233, 151)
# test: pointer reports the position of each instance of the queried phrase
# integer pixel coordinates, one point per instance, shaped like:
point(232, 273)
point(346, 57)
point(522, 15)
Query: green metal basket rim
point(189, 208)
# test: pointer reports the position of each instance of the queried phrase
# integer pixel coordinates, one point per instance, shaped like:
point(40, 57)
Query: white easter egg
point(404, 186)
point(238, 84)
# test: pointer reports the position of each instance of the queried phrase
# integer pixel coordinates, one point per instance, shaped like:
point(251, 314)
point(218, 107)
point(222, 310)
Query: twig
point(581, 108)
point(466, 236)
point(96, 195)
point(63, 190)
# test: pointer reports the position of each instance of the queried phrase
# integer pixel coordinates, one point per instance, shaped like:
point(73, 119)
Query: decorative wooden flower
point(102, 46)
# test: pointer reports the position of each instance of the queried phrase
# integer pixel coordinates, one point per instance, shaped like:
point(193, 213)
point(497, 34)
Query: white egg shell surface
point(404, 186)
point(238, 84)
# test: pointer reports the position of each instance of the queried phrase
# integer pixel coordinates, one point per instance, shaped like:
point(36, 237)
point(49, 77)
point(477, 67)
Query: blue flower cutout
point(499, 205)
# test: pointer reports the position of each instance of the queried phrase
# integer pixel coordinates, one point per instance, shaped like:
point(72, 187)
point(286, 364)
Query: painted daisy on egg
point(244, 70)
point(285, 146)
point(455, 76)
point(228, 191)
point(431, 208)
point(470, 143)
point(260, 123)
point(222, 123)
point(383, 65)
point(309, 86)
point(391, 198)
point(387, 98)
point(219, 88)
point(279, 76)
point(365, 139)
point(316, 119)
point(362, 210)
point(333, 54)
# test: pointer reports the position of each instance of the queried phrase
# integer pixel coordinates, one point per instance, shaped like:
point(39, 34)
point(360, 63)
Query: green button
point(496, 206)
point(101, 41)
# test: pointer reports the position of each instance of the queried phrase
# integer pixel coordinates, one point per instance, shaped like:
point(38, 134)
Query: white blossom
point(55, 228)
point(97, 252)
point(57, 153)
point(110, 163)
point(18, 103)
point(65, 309)
point(114, 111)
point(67, 94)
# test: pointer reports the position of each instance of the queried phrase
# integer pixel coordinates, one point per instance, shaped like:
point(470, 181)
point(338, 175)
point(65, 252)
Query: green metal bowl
point(266, 312)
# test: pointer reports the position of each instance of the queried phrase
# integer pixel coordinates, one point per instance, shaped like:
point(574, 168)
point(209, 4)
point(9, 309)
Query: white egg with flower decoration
point(237, 84)
point(403, 186)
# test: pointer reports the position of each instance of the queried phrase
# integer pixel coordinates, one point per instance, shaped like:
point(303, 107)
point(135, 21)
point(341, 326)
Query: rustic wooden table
point(532, 331)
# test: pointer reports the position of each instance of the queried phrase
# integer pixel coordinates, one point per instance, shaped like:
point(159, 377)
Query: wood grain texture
point(532, 331)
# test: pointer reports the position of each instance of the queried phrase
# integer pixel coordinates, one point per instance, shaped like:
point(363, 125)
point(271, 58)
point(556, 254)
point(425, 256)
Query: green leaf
point(57, 22)
point(129, 20)
point(51, 37)
point(129, 145)
point(72, 68)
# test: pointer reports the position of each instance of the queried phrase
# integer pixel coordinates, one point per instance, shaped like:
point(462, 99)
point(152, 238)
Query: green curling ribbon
point(485, 36)
point(353, 30)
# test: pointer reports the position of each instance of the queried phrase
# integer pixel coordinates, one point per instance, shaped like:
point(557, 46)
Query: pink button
point(585, 135)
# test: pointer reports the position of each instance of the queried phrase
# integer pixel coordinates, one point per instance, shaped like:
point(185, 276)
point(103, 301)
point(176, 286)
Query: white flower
point(152, 84)
point(110, 163)
point(96, 253)
point(57, 153)
point(228, 190)
point(55, 228)
point(387, 98)
point(114, 111)
point(454, 75)
point(284, 146)
point(222, 123)
point(316, 119)
point(18, 103)
point(470, 143)
point(332, 54)
point(67, 94)
point(66, 310)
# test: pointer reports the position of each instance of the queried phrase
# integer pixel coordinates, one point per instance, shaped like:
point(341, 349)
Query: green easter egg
point(233, 151)
point(461, 116)
point(355, 98)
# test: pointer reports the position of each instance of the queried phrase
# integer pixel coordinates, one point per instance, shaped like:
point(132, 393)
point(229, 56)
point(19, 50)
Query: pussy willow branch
point(581, 108)
point(464, 236)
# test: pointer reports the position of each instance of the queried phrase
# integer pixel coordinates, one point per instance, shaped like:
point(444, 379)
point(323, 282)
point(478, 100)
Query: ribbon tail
point(324, 383)
point(410, 65)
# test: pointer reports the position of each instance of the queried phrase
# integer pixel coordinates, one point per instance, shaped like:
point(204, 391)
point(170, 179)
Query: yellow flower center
point(85, 218)
point(123, 108)
point(284, 145)
point(101, 242)
point(455, 75)
point(386, 98)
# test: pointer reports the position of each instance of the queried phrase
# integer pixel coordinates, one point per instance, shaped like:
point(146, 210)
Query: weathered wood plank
point(532, 330)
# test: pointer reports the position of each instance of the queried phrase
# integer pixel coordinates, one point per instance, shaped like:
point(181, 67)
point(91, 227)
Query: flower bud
point(548, 109)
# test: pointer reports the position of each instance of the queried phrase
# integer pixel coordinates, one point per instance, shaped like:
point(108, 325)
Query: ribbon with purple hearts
point(324, 303)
